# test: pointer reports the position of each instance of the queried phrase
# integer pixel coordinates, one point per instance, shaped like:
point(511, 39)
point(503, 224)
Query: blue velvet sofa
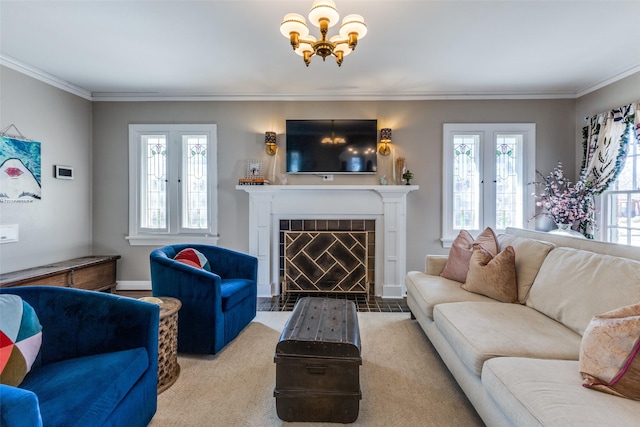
point(216, 304)
point(97, 366)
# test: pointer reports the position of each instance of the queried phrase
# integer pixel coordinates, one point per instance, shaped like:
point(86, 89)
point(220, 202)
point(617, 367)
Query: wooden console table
point(95, 273)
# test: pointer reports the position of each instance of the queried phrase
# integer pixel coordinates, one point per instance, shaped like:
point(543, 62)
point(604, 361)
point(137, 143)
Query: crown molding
point(44, 77)
point(146, 97)
point(182, 97)
point(608, 81)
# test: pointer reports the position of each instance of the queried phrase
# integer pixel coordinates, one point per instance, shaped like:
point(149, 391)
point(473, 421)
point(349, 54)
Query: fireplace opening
point(327, 256)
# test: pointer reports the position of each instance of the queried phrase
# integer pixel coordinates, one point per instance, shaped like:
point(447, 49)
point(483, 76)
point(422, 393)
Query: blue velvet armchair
point(97, 366)
point(216, 305)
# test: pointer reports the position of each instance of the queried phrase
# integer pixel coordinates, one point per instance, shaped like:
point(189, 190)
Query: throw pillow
point(20, 339)
point(193, 258)
point(494, 277)
point(460, 253)
point(609, 359)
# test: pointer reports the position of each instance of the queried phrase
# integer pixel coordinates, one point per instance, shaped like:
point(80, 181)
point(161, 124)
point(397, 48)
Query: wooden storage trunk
point(318, 360)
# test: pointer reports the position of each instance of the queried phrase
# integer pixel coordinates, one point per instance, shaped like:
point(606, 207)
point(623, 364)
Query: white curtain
point(605, 145)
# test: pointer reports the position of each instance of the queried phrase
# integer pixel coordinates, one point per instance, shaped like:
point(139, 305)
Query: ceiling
point(428, 49)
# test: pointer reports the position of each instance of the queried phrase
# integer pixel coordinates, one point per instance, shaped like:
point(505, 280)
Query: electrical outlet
point(327, 177)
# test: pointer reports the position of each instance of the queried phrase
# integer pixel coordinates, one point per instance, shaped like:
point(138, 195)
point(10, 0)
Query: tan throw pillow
point(494, 277)
point(461, 250)
point(609, 359)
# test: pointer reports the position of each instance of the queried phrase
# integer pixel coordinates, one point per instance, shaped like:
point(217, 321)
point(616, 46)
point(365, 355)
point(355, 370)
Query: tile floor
point(286, 302)
point(363, 303)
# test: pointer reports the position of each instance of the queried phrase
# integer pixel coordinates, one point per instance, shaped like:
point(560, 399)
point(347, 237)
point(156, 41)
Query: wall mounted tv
point(331, 146)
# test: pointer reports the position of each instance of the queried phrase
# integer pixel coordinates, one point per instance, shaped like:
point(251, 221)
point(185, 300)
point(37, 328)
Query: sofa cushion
point(574, 285)
point(534, 392)
point(20, 339)
point(430, 291)
point(235, 290)
point(494, 277)
point(97, 383)
point(530, 254)
point(460, 253)
point(609, 359)
point(481, 331)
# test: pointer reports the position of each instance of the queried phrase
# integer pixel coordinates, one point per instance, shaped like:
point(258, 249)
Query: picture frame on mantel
point(255, 169)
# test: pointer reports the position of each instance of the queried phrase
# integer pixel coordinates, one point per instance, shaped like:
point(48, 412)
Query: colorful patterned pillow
point(610, 352)
point(193, 258)
point(20, 339)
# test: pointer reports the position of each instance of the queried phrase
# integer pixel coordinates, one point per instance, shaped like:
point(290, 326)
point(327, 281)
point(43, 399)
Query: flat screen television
point(331, 146)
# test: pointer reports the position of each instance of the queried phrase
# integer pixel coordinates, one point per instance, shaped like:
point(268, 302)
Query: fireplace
point(380, 210)
point(323, 256)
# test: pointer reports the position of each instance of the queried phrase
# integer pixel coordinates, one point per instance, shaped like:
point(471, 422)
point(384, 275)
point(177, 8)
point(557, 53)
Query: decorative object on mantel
point(383, 180)
point(254, 174)
point(270, 142)
point(398, 170)
point(385, 140)
point(20, 168)
point(254, 169)
point(566, 203)
point(407, 176)
point(323, 14)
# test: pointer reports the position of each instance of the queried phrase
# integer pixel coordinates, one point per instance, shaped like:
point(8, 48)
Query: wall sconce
point(270, 142)
point(385, 140)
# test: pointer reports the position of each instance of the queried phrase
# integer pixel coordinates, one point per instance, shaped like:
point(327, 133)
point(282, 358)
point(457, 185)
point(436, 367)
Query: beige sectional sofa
point(518, 363)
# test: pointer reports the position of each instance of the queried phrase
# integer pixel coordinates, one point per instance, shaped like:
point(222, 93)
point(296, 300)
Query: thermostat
point(63, 172)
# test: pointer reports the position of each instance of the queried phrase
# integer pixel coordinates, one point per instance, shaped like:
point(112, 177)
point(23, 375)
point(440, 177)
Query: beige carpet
point(403, 381)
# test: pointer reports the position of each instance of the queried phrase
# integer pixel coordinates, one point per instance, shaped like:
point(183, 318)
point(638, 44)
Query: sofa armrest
point(434, 264)
point(78, 323)
point(19, 407)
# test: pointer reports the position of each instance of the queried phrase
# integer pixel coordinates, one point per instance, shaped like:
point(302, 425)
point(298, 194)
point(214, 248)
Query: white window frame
point(174, 233)
point(487, 133)
point(605, 199)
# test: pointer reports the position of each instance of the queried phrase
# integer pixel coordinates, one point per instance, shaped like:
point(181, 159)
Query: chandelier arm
point(294, 39)
point(307, 41)
point(307, 57)
point(324, 27)
point(353, 40)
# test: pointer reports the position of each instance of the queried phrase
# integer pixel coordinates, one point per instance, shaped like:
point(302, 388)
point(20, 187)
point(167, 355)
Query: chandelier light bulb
point(294, 23)
point(353, 28)
point(324, 9)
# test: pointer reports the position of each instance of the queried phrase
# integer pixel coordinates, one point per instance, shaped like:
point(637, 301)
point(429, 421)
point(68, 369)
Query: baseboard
point(133, 285)
point(264, 291)
point(392, 292)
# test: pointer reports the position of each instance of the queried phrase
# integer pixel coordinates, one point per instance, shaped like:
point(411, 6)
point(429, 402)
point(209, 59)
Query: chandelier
point(323, 14)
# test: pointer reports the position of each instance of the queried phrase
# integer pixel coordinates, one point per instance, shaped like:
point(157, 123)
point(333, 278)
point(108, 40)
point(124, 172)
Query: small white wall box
point(63, 172)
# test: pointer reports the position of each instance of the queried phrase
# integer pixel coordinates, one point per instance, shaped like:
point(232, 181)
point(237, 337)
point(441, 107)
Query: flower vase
point(565, 230)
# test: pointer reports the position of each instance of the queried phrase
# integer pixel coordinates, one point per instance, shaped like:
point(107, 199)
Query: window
point(487, 168)
point(172, 184)
point(621, 207)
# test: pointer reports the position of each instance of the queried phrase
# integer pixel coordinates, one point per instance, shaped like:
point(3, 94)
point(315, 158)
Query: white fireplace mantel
point(268, 204)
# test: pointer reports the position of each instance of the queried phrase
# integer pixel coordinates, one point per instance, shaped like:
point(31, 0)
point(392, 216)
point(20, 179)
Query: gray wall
point(90, 213)
point(417, 134)
point(58, 226)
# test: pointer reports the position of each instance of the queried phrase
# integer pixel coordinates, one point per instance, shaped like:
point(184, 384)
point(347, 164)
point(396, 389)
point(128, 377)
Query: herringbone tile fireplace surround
point(325, 261)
